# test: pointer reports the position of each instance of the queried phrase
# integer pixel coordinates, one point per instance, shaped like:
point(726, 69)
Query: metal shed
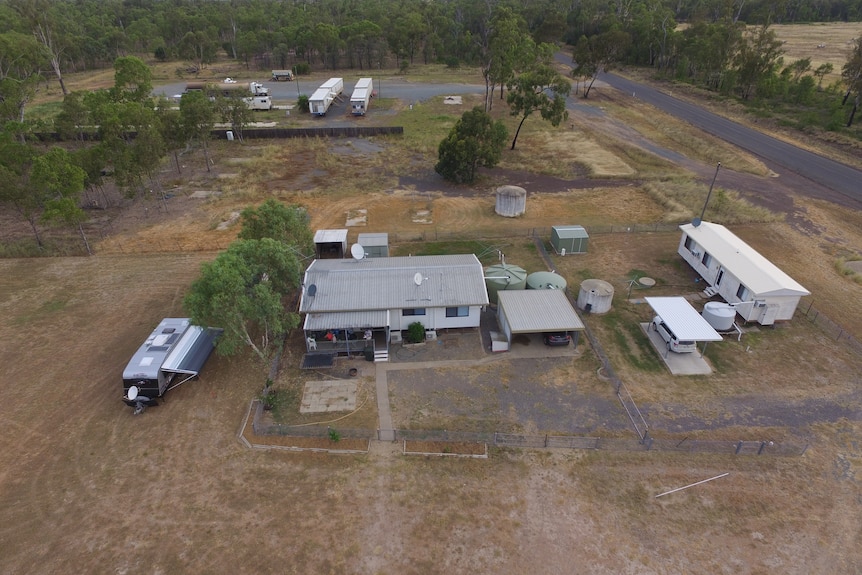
point(375, 245)
point(330, 244)
point(537, 311)
point(569, 239)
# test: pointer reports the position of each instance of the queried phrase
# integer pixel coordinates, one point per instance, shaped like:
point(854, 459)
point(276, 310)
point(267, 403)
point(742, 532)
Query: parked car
point(673, 343)
point(556, 338)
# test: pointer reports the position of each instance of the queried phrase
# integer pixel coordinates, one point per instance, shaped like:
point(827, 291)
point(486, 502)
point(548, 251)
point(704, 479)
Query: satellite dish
point(312, 289)
point(133, 392)
point(417, 279)
point(357, 251)
point(695, 222)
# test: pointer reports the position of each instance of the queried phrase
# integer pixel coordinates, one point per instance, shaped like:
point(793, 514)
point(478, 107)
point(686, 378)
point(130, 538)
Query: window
point(742, 293)
point(462, 311)
point(689, 243)
point(413, 311)
point(707, 259)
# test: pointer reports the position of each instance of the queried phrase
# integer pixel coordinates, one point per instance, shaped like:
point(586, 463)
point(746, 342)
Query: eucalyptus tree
point(851, 73)
point(598, 53)
point(244, 291)
point(541, 89)
point(44, 20)
point(56, 184)
point(475, 140)
point(21, 61)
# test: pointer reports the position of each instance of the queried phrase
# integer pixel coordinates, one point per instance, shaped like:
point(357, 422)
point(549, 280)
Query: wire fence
point(546, 441)
point(828, 326)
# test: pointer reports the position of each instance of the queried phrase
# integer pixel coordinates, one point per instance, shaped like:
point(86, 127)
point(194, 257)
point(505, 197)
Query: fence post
point(738, 447)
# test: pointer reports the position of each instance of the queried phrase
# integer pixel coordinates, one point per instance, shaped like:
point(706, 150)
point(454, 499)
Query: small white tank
point(595, 296)
point(719, 315)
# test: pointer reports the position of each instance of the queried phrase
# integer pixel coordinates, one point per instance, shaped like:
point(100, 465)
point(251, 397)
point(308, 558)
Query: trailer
point(361, 97)
point(254, 94)
point(172, 354)
point(321, 100)
point(282, 75)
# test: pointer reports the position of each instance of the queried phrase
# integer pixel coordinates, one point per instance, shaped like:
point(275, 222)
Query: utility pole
point(710, 191)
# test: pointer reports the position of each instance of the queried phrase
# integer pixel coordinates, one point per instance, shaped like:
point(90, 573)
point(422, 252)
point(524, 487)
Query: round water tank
point(511, 201)
point(719, 315)
point(595, 296)
point(501, 277)
point(545, 280)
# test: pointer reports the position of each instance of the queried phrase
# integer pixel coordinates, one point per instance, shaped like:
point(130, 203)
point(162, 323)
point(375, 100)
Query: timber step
point(710, 291)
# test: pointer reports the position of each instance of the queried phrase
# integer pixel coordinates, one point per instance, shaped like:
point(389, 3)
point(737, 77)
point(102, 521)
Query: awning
point(683, 319)
point(346, 320)
point(192, 351)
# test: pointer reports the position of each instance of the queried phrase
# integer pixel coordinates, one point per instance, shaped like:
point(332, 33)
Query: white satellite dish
point(357, 251)
point(133, 392)
point(417, 279)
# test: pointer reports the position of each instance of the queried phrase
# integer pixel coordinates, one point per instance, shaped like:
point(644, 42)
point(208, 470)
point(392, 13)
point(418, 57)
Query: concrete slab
point(678, 363)
point(326, 396)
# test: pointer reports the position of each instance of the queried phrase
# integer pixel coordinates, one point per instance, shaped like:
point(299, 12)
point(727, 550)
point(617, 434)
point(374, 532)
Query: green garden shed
point(569, 239)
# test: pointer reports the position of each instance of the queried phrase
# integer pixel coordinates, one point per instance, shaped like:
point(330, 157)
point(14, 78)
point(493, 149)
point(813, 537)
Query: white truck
point(361, 97)
point(254, 94)
point(321, 100)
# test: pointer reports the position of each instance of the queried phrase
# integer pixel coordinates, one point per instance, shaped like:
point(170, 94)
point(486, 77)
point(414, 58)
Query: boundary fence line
point(546, 441)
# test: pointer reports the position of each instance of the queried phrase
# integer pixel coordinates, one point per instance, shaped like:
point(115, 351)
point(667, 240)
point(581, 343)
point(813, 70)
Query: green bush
point(302, 69)
point(415, 332)
point(302, 103)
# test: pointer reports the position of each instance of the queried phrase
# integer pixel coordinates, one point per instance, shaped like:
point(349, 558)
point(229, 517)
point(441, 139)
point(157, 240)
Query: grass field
point(86, 486)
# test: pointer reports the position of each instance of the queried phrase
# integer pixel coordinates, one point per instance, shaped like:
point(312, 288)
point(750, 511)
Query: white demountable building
point(361, 96)
point(759, 291)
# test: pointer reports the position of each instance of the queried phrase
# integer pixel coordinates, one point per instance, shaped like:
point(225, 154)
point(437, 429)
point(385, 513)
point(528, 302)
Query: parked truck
point(254, 94)
point(361, 97)
point(282, 75)
point(321, 100)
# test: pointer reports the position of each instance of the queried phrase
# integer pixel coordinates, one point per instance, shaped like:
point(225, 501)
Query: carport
point(683, 320)
point(537, 311)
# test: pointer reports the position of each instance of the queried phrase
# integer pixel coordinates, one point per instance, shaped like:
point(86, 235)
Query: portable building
point(322, 98)
point(176, 349)
point(375, 245)
point(330, 244)
point(757, 289)
point(361, 97)
point(569, 239)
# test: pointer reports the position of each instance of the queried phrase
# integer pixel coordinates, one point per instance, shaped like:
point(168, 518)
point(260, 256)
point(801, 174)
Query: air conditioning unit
point(695, 253)
point(759, 303)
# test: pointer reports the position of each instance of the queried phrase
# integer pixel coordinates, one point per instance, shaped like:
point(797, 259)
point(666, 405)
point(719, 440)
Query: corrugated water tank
point(511, 201)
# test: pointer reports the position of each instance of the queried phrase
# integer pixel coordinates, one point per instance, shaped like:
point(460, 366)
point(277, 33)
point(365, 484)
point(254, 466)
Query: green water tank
point(504, 276)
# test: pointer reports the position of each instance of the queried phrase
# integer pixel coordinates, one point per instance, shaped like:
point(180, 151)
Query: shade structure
point(683, 319)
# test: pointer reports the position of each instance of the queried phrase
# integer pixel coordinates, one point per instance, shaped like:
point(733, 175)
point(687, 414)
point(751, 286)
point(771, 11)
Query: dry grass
point(805, 41)
point(74, 460)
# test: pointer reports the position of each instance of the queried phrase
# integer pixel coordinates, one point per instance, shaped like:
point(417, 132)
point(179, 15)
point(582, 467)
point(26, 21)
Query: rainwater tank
point(511, 201)
point(719, 315)
point(545, 280)
point(595, 296)
point(501, 277)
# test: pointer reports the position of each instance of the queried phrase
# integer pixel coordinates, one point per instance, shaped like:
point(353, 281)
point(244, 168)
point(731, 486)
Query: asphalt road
point(781, 157)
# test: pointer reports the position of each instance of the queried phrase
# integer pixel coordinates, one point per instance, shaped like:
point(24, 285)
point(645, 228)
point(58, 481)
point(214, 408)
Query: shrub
point(302, 69)
point(302, 103)
point(416, 332)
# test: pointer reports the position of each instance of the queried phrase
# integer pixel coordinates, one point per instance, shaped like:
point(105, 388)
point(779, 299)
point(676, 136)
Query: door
point(719, 276)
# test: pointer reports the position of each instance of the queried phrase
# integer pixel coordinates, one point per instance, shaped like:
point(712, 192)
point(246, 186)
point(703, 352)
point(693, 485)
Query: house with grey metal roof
point(351, 305)
point(757, 289)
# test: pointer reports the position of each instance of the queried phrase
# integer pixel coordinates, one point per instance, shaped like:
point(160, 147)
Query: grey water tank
point(511, 201)
point(719, 315)
point(545, 280)
point(595, 296)
point(503, 276)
